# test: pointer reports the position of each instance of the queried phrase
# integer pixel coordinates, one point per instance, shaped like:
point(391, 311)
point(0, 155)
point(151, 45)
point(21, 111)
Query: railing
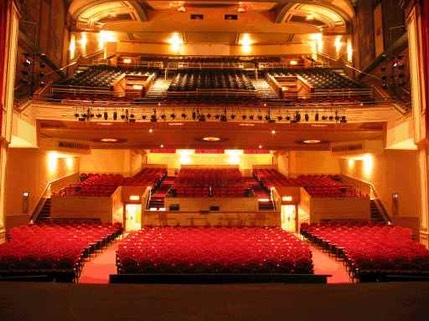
point(50, 188)
point(372, 193)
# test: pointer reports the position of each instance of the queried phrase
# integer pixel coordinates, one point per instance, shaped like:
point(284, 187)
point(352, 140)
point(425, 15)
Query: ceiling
point(267, 21)
point(189, 134)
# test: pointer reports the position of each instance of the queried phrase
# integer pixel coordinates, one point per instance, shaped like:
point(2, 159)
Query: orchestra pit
point(214, 160)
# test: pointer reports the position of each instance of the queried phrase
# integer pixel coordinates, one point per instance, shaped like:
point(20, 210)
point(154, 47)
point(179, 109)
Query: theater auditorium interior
point(214, 160)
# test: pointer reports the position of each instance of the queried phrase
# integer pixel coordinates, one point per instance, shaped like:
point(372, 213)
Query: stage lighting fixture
point(27, 63)
point(144, 117)
point(122, 116)
point(279, 118)
point(316, 117)
point(98, 115)
point(194, 115)
point(163, 116)
point(232, 116)
point(306, 117)
point(287, 118)
point(115, 115)
point(202, 117)
point(76, 115)
point(324, 117)
point(183, 115)
point(331, 118)
point(223, 118)
point(243, 117)
point(297, 116)
point(173, 116)
point(251, 117)
point(209, 116)
point(343, 119)
point(105, 115)
point(217, 116)
point(260, 117)
point(153, 118)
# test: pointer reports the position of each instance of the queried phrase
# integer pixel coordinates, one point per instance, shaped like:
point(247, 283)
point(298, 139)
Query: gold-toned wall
point(30, 170)
point(392, 172)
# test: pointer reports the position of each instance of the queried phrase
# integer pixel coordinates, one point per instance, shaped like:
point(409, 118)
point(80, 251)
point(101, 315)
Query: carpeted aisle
point(98, 268)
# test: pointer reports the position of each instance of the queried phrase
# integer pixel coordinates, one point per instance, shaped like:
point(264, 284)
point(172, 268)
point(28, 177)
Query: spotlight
point(217, 116)
point(202, 117)
point(306, 117)
point(223, 118)
point(98, 115)
point(279, 118)
point(27, 63)
point(297, 116)
point(251, 117)
point(324, 117)
point(105, 115)
point(343, 119)
point(233, 116)
point(267, 117)
point(76, 115)
point(183, 115)
point(122, 116)
point(209, 116)
point(132, 116)
point(153, 118)
point(316, 117)
point(287, 118)
point(243, 117)
point(163, 116)
point(115, 115)
point(331, 117)
point(260, 117)
point(173, 116)
point(144, 117)
point(194, 115)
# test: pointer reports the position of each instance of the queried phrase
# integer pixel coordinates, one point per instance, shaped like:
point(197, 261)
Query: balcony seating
point(372, 252)
point(146, 177)
point(212, 183)
point(316, 185)
point(93, 185)
point(55, 251)
point(181, 250)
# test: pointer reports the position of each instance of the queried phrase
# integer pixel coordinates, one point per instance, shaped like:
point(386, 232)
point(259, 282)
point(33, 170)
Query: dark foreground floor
point(360, 302)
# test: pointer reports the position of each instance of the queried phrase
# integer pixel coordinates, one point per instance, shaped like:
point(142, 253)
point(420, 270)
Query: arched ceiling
point(268, 21)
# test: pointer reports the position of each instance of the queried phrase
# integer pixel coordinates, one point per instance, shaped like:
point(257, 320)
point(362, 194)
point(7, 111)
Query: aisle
point(325, 264)
point(98, 269)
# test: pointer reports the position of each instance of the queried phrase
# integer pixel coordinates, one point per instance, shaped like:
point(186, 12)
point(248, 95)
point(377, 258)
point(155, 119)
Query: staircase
point(158, 90)
point(158, 195)
point(265, 91)
point(45, 212)
point(376, 215)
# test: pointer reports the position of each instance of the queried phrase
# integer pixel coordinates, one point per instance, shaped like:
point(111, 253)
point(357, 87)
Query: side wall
point(391, 172)
point(30, 170)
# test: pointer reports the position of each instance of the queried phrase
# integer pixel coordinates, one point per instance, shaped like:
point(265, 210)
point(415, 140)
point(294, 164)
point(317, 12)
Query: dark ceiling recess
point(195, 16)
point(231, 17)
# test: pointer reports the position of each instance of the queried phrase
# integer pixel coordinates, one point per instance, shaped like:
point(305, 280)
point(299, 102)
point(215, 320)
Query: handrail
point(43, 196)
point(41, 202)
point(378, 201)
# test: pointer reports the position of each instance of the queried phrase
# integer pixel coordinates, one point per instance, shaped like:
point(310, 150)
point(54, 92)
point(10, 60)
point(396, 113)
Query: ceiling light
point(150, 130)
point(175, 124)
point(127, 60)
point(109, 140)
point(312, 141)
point(211, 139)
point(246, 124)
point(273, 132)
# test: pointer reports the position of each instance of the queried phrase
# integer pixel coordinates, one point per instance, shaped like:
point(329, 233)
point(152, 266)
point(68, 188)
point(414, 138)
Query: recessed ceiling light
point(273, 132)
point(246, 124)
point(161, 146)
point(260, 146)
point(109, 140)
point(211, 139)
point(312, 141)
point(175, 124)
point(104, 124)
point(151, 130)
point(318, 125)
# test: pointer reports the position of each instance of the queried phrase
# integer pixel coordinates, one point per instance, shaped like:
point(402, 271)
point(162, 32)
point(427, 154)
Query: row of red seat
point(372, 252)
point(315, 185)
point(52, 249)
point(106, 184)
point(213, 250)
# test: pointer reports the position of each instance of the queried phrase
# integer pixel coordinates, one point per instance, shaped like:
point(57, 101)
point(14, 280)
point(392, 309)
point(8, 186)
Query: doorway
point(133, 215)
point(288, 218)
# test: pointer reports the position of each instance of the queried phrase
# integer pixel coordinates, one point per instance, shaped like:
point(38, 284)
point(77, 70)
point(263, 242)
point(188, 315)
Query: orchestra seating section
point(372, 252)
point(180, 250)
point(315, 185)
point(211, 183)
point(106, 184)
point(52, 251)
